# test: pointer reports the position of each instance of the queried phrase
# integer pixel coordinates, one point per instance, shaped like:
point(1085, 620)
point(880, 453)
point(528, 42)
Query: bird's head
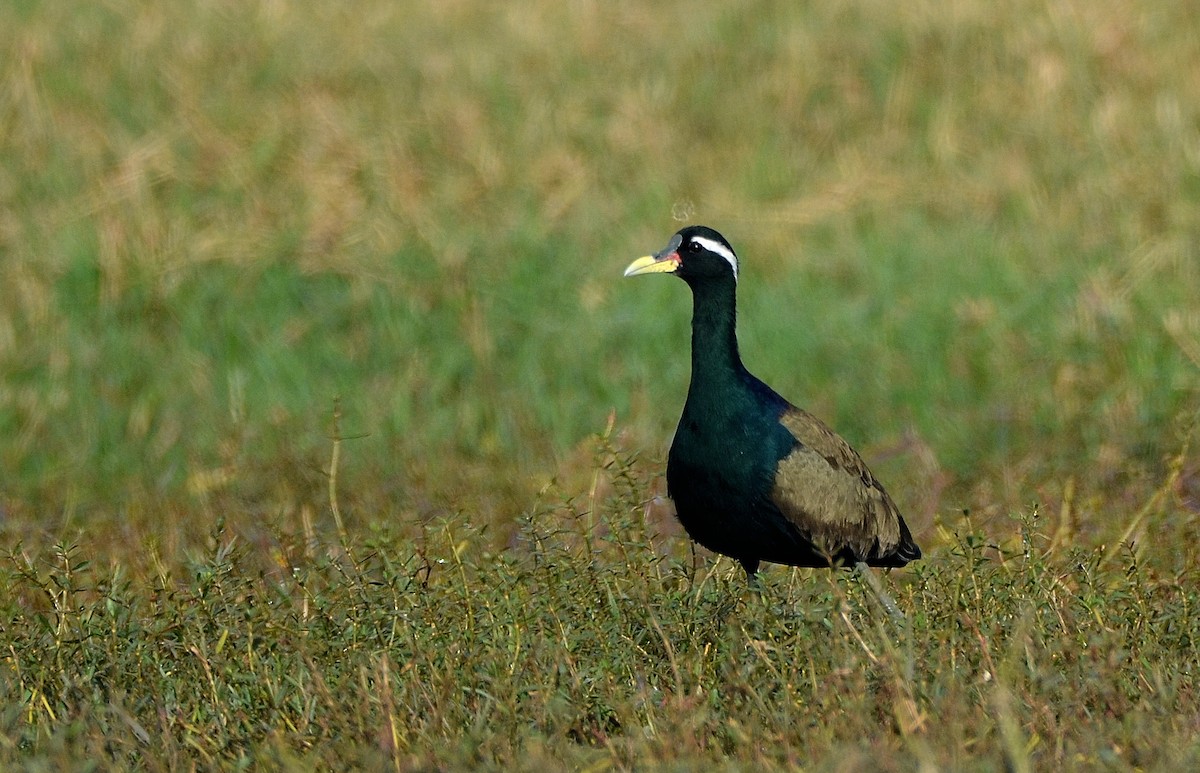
point(694, 254)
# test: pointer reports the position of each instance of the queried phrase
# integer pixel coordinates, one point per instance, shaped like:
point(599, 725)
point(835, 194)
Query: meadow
point(331, 436)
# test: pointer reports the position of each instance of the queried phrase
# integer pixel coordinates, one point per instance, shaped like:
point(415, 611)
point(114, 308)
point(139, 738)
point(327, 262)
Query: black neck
point(716, 363)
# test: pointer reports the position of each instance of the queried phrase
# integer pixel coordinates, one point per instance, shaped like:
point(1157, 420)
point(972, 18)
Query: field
point(331, 436)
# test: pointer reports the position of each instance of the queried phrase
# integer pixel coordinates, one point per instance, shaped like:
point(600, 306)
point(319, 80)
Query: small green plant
point(592, 640)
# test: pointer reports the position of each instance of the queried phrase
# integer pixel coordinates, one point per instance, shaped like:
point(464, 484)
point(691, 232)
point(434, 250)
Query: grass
point(593, 643)
point(232, 232)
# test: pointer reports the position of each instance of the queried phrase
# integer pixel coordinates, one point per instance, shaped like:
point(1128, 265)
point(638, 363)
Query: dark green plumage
point(752, 476)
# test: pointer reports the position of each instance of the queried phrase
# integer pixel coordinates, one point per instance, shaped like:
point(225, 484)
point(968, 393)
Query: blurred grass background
point(969, 240)
point(969, 235)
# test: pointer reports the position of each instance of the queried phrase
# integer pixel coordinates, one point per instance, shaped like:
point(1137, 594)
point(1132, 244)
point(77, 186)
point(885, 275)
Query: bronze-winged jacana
point(752, 476)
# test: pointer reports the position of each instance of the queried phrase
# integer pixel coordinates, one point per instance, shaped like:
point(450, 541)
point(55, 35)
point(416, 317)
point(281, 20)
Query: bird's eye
point(694, 247)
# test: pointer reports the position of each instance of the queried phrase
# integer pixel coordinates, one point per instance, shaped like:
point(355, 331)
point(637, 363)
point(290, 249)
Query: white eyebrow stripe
point(720, 249)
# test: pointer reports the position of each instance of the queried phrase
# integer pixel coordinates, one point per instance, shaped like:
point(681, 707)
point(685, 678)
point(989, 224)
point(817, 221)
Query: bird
point(752, 476)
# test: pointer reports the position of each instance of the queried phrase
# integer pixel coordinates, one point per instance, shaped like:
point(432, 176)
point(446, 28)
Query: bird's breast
point(726, 464)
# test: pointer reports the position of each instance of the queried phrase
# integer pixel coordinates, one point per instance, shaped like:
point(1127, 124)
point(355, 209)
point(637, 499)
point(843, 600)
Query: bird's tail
point(907, 549)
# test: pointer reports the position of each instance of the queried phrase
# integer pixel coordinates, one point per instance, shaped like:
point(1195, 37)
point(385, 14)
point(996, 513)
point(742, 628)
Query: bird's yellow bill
point(653, 264)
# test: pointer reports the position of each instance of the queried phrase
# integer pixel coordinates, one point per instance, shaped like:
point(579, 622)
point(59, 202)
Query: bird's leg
point(894, 611)
point(880, 593)
point(751, 567)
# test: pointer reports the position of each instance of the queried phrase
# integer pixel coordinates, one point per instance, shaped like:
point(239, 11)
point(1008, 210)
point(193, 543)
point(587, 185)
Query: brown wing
point(825, 488)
